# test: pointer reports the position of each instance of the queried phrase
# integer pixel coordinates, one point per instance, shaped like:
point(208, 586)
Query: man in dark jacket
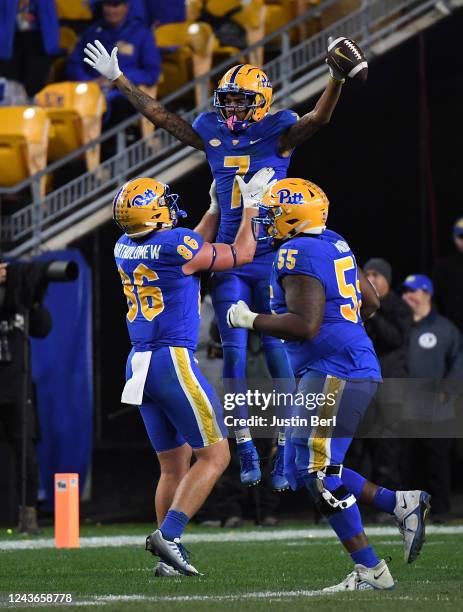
point(435, 352)
point(389, 330)
point(29, 35)
point(138, 56)
point(448, 280)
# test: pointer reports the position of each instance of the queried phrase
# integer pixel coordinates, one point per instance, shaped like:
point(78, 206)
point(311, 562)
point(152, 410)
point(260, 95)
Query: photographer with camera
point(22, 314)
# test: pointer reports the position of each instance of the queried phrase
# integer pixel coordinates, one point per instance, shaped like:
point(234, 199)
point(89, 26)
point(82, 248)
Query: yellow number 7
point(242, 162)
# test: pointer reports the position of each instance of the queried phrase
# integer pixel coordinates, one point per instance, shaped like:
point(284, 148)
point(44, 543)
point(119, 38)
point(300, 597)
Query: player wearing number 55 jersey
point(158, 264)
point(319, 298)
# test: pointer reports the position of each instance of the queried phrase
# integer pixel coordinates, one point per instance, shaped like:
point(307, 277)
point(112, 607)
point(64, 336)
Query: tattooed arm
point(313, 121)
point(158, 114)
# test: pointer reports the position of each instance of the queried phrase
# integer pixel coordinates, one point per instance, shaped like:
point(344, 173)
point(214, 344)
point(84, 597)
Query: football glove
point(334, 72)
point(99, 59)
point(253, 191)
point(239, 315)
point(214, 205)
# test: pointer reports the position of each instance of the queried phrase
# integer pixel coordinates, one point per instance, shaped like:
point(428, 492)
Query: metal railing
point(294, 67)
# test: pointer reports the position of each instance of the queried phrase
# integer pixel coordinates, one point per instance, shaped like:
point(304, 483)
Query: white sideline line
point(226, 536)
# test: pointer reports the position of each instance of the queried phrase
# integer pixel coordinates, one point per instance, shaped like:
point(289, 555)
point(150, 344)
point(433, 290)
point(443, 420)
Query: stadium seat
point(280, 12)
point(188, 55)
point(75, 111)
point(23, 143)
point(193, 9)
point(73, 10)
point(251, 17)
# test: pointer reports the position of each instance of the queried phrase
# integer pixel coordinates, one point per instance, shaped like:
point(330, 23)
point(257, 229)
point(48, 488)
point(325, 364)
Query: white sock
point(243, 435)
point(281, 438)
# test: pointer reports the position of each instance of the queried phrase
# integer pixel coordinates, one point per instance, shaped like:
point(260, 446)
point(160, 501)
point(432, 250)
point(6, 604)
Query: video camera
point(25, 286)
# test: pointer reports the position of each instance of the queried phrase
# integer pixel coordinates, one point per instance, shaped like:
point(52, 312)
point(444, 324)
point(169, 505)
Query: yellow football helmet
point(292, 207)
point(143, 205)
point(254, 84)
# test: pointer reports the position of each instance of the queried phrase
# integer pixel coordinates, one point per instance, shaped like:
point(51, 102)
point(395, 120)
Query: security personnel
point(138, 55)
point(435, 352)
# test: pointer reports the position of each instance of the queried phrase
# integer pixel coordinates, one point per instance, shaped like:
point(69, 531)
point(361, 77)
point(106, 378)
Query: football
point(346, 57)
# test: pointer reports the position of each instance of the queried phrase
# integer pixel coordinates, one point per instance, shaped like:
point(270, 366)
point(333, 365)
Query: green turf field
point(277, 574)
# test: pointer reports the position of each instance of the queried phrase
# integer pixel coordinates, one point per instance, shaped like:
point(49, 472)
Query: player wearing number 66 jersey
point(319, 298)
point(158, 264)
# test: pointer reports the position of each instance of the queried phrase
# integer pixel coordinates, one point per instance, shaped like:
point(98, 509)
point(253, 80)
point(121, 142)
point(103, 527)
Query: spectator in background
point(154, 12)
point(435, 353)
point(448, 280)
point(29, 35)
point(138, 56)
point(389, 331)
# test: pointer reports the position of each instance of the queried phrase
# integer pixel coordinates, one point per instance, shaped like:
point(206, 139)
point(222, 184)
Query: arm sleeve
point(199, 125)
point(282, 121)
point(187, 244)
point(149, 66)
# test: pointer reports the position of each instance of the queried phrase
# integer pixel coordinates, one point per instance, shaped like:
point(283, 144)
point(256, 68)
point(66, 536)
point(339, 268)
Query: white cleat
point(410, 511)
point(171, 551)
point(164, 570)
point(362, 578)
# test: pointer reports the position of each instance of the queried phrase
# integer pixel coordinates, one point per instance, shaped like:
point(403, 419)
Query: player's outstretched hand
point(253, 191)
point(214, 205)
point(99, 59)
point(239, 315)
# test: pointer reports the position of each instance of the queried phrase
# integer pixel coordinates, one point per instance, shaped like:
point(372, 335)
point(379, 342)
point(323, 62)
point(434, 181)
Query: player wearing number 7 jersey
point(319, 298)
point(158, 264)
point(239, 138)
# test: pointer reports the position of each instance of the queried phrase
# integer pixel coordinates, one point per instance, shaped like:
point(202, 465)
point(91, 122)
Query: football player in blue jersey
point(240, 137)
point(319, 297)
point(158, 264)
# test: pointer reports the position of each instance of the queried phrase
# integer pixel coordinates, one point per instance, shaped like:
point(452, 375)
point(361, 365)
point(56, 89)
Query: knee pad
point(327, 490)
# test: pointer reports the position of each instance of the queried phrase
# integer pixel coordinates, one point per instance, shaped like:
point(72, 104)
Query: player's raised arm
point(305, 300)
point(345, 59)
point(219, 256)
point(107, 65)
point(207, 227)
point(370, 298)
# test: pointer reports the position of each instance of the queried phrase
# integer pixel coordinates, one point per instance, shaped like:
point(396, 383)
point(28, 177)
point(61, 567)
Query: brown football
point(346, 57)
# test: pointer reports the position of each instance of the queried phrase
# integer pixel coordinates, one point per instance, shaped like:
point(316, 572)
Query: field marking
point(117, 541)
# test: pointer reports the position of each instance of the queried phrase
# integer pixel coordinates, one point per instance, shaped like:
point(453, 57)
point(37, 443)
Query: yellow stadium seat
point(74, 10)
point(192, 58)
point(75, 111)
point(67, 39)
point(251, 17)
point(23, 143)
point(280, 12)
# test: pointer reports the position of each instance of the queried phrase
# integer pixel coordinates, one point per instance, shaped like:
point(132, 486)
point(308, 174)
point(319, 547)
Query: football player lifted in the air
point(319, 297)
point(158, 264)
point(239, 138)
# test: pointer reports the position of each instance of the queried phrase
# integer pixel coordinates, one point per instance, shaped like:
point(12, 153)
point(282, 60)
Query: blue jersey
point(342, 347)
point(163, 302)
point(244, 153)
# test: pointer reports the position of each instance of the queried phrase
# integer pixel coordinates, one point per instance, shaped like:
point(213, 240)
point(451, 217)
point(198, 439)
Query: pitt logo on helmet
point(256, 90)
point(143, 205)
point(292, 207)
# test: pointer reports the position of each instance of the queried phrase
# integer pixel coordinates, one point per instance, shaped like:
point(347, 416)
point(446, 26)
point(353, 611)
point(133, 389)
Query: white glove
point(99, 59)
point(253, 192)
point(239, 315)
point(214, 205)
point(334, 74)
